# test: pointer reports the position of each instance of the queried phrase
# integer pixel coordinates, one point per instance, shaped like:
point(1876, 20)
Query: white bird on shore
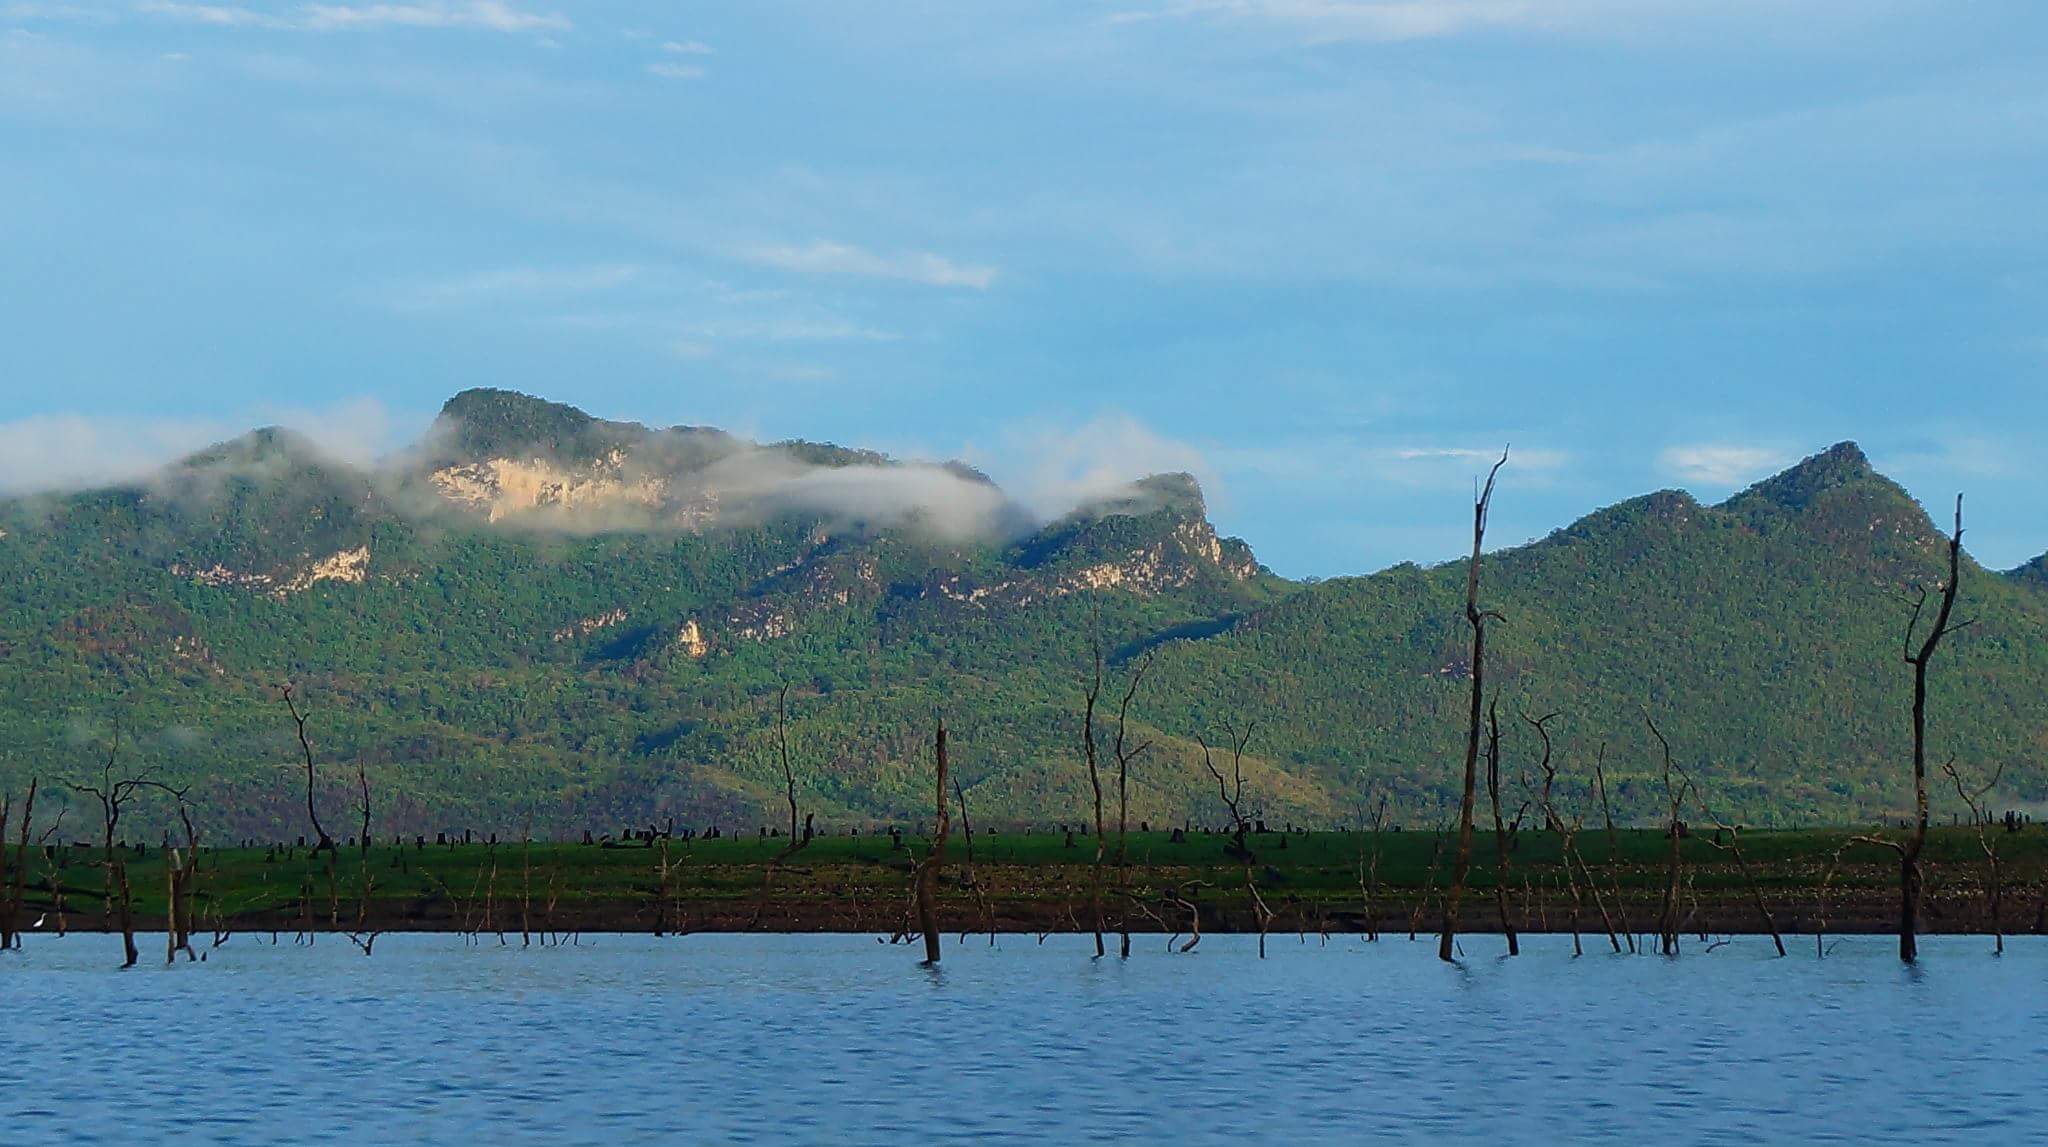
point(40, 919)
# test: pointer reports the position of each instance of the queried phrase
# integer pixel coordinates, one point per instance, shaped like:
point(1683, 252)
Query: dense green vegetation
point(600, 675)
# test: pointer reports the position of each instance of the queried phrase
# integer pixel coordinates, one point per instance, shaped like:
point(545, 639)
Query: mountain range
point(534, 613)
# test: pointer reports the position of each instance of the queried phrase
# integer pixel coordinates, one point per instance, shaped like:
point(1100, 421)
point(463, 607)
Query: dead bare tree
point(797, 843)
point(1733, 847)
point(967, 877)
point(51, 874)
point(1570, 833)
point(526, 885)
point(1920, 656)
point(1232, 792)
point(1369, 873)
point(928, 868)
point(6, 888)
point(363, 789)
point(1668, 924)
point(1183, 897)
point(1552, 822)
point(10, 909)
point(1500, 829)
point(113, 793)
point(1477, 618)
point(1125, 753)
point(1613, 851)
point(1979, 819)
point(325, 842)
point(181, 877)
point(1436, 863)
point(1090, 698)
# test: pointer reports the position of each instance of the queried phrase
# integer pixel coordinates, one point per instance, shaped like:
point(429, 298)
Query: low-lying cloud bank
point(63, 453)
point(663, 480)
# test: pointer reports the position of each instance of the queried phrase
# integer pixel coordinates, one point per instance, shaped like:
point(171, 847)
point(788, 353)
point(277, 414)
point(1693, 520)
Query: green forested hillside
point(538, 613)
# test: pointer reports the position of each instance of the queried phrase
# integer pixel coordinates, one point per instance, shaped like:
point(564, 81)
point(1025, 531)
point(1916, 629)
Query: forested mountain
point(534, 612)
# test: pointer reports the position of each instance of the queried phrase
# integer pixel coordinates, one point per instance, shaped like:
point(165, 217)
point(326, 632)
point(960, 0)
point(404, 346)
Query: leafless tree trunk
point(1447, 939)
point(967, 877)
point(526, 885)
point(363, 786)
point(928, 868)
point(1979, 818)
point(1667, 918)
point(364, 936)
point(1613, 852)
point(1911, 879)
point(1121, 748)
point(10, 912)
point(1089, 699)
point(325, 842)
point(1500, 831)
point(113, 793)
point(1827, 883)
point(797, 843)
point(172, 863)
point(1568, 851)
point(1552, 822)
point(1369, 874)
point(1232, 792)
point(7, 902)
point(1910, 876)
point(1184, 898)
point(182, 874)
point(1733, 847)
point(1436, 863)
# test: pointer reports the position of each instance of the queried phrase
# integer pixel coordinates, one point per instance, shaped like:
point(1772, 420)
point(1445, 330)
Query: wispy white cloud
point(25, 11)
point(670, 70)
point(49, 452)
point(489, 15)
point(1394, 21)
point(1371, 20)
point(686, 48)
point(217, 15)
point(500, 283)
point(1052, 468)
point(1961, 456)
point(1721, 464)
point(828, 258)
point(785, 330)
point(1321, 464)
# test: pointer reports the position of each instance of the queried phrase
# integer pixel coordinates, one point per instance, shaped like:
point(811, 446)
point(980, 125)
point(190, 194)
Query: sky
point(1329, 255)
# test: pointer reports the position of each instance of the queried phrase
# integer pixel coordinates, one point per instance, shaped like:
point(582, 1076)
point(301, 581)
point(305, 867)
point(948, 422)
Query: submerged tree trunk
point(1125, 754)
point(1447, 939)
point(10, 908)
point(1667, 916)
point(928, 870)
point(1088, 750)
point(1911, 880)
point(1500, 831)
point(1981, 820)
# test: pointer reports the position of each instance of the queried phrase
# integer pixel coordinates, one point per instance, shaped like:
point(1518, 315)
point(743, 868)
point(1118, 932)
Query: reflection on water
point(841, 1039)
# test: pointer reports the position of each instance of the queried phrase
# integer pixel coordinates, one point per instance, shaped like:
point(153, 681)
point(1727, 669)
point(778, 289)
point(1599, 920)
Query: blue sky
point(1325, 253)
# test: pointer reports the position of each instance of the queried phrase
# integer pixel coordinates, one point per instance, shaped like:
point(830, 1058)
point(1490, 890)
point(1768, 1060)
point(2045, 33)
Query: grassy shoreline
point(1811, 880)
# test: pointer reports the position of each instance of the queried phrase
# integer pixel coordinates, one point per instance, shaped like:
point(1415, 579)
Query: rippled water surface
point(628, 1039)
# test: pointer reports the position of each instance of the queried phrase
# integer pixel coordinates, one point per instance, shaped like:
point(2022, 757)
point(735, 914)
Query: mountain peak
point(1178, 493)
point(487, 421)
point(268, 444)
point(1842, 464)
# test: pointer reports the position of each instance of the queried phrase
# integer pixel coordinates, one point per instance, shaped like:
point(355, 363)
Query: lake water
point(838, 1039)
